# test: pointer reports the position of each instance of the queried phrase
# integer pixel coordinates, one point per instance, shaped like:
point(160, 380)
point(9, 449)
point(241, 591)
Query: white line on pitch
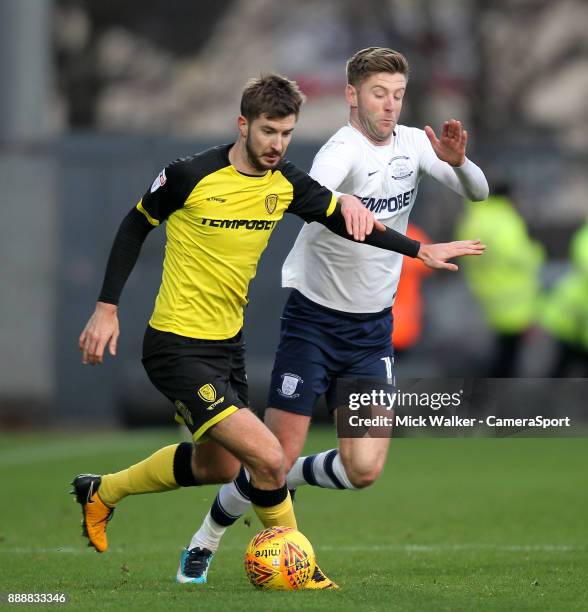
point(408, 548)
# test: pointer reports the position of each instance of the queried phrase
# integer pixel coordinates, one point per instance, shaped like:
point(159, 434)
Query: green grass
point(453, 524)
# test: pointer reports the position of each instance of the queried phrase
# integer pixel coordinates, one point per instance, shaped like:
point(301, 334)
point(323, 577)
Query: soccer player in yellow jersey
point(220, 206)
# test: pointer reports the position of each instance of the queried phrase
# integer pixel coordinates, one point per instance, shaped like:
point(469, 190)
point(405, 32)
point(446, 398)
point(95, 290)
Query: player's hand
point(101, 329)
point(436, 255)
point(359, 221)
point(451, 146)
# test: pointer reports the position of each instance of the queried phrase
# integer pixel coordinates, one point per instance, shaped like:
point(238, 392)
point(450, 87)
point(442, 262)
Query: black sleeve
point(124, 253)
point(390, 240)
point(168, 192)
point(311, 201)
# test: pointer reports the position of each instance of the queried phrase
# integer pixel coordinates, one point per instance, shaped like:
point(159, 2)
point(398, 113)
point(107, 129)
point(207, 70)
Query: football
point(279, 559)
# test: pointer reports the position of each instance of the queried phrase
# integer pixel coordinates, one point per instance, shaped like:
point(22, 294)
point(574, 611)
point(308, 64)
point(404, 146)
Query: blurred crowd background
point(98, 95)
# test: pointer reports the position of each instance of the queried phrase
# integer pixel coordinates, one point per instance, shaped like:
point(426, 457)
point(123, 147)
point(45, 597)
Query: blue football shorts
point(318, 345)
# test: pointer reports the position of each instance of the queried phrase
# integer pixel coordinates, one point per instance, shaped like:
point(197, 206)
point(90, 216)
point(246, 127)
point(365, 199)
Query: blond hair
point(373, 60)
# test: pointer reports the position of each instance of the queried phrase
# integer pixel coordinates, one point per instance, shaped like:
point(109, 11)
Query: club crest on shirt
point(400, 167)
point(289, 385)
point(160, 181)
point(271, 201)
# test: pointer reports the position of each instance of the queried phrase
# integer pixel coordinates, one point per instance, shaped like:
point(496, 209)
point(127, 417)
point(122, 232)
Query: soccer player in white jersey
point(337, 321)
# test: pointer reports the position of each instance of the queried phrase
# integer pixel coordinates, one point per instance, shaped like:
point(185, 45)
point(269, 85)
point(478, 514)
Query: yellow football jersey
point(218, 224)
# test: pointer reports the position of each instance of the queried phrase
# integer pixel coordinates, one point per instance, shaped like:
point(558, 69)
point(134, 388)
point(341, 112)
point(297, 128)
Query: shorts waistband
point(297, 296)
point(236, 339)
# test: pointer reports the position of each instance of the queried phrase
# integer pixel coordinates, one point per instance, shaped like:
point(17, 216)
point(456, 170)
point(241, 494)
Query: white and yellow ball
point(279, 559)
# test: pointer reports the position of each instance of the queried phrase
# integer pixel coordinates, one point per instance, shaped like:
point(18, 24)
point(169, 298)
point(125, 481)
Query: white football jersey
point(345, 275)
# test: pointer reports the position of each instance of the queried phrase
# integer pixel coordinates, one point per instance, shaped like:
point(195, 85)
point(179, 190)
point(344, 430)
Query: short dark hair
point(272, 95)
point(373, 60)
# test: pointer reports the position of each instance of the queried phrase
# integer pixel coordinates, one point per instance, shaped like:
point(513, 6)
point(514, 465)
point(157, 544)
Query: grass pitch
point(453, 524)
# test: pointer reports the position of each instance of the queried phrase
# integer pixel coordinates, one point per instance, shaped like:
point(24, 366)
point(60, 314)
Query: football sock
point(322, 470)
point(231, 502)
point(166, 469)
point(209, 535)
point(274, 508)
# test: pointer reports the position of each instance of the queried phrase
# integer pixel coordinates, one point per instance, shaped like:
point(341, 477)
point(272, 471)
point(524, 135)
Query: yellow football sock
point(281, 514)
point(152, 475)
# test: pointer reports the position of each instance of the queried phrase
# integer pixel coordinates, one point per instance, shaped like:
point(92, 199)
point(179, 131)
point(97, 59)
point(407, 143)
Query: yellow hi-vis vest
point(506, 278)
point(565, 310)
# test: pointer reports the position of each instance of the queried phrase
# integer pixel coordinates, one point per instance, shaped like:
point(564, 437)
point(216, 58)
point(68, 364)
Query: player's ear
point(351, 95)
point(242, 125)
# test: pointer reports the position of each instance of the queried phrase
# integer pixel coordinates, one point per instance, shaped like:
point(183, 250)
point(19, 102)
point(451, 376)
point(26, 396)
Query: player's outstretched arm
point(436, 255)
point(451, 147)
point(458, 172)
point(346, 226)
point(103, 329)
point(359, 221)
point(347, 217)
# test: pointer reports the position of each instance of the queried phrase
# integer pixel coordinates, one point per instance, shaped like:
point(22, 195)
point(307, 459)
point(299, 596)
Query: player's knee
point(361, 480)
point(273, 464)
point(363, 476)
point(362, 469)
point(269, 468)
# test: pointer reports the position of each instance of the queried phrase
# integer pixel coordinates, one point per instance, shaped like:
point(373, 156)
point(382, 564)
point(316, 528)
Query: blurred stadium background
point(98, 95)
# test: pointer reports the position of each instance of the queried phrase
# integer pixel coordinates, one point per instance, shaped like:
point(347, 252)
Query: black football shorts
point(204, 379)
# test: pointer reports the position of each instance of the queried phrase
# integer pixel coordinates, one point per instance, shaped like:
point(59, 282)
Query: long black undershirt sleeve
point(124, 253)
point(390, 240)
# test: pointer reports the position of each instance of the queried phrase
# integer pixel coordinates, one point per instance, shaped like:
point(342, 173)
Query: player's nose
point(278, 145)
point(389, 103)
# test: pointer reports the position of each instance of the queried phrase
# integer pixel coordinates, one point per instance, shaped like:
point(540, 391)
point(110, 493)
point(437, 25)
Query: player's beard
point(255, 160)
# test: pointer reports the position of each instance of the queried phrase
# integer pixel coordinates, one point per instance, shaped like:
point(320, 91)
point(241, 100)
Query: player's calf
point(355, 465)
point(324, 469)
point(213, 464)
